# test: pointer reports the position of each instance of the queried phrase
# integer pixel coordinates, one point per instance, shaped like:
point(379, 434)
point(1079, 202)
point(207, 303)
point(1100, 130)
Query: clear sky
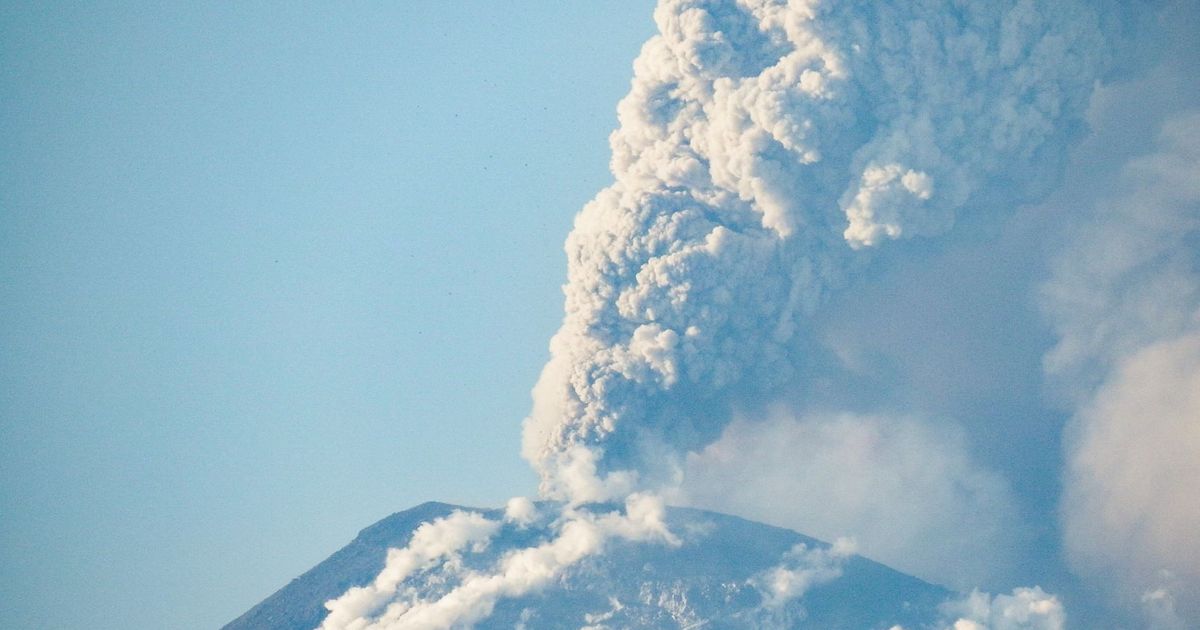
point(268, 274)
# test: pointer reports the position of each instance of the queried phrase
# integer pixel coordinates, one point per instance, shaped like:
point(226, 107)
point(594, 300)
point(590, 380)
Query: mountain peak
point(725, 571)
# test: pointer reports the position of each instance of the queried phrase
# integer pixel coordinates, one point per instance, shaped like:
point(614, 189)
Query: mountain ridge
point(708, 579)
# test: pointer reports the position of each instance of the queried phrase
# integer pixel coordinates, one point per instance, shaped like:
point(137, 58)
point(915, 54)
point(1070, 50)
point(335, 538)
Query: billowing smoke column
point(764, 149)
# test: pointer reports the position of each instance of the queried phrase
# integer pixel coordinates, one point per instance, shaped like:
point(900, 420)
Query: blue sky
point(270, 274)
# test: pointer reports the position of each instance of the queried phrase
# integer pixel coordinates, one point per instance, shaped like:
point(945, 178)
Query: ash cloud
point(781, 165)
point(763, 150)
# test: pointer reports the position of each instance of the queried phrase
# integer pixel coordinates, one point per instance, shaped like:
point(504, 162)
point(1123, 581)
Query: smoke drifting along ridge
point(762, 148)
point(448, 593)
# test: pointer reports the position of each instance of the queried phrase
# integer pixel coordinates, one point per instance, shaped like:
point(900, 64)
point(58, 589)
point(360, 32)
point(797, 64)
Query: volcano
point(720, 574)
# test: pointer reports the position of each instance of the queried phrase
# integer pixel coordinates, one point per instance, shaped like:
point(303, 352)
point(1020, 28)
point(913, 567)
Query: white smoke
point(1129, 277)
point(1159, 608)
point(761, 145)
point(802, 569)
point(906, 490)
point(431, 544)
point(1025, 609)
point(520, 510)
point(468, 595)
point(1126, 301)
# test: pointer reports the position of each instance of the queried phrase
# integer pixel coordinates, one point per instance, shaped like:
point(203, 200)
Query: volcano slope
point(719, 572)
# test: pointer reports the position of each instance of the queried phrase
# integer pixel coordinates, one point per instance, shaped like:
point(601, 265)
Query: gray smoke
point(764, 149)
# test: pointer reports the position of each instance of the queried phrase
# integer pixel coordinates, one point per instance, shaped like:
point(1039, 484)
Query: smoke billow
point(763, 148)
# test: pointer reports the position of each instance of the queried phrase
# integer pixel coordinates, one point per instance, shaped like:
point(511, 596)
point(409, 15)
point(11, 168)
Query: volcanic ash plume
point(764, 149)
